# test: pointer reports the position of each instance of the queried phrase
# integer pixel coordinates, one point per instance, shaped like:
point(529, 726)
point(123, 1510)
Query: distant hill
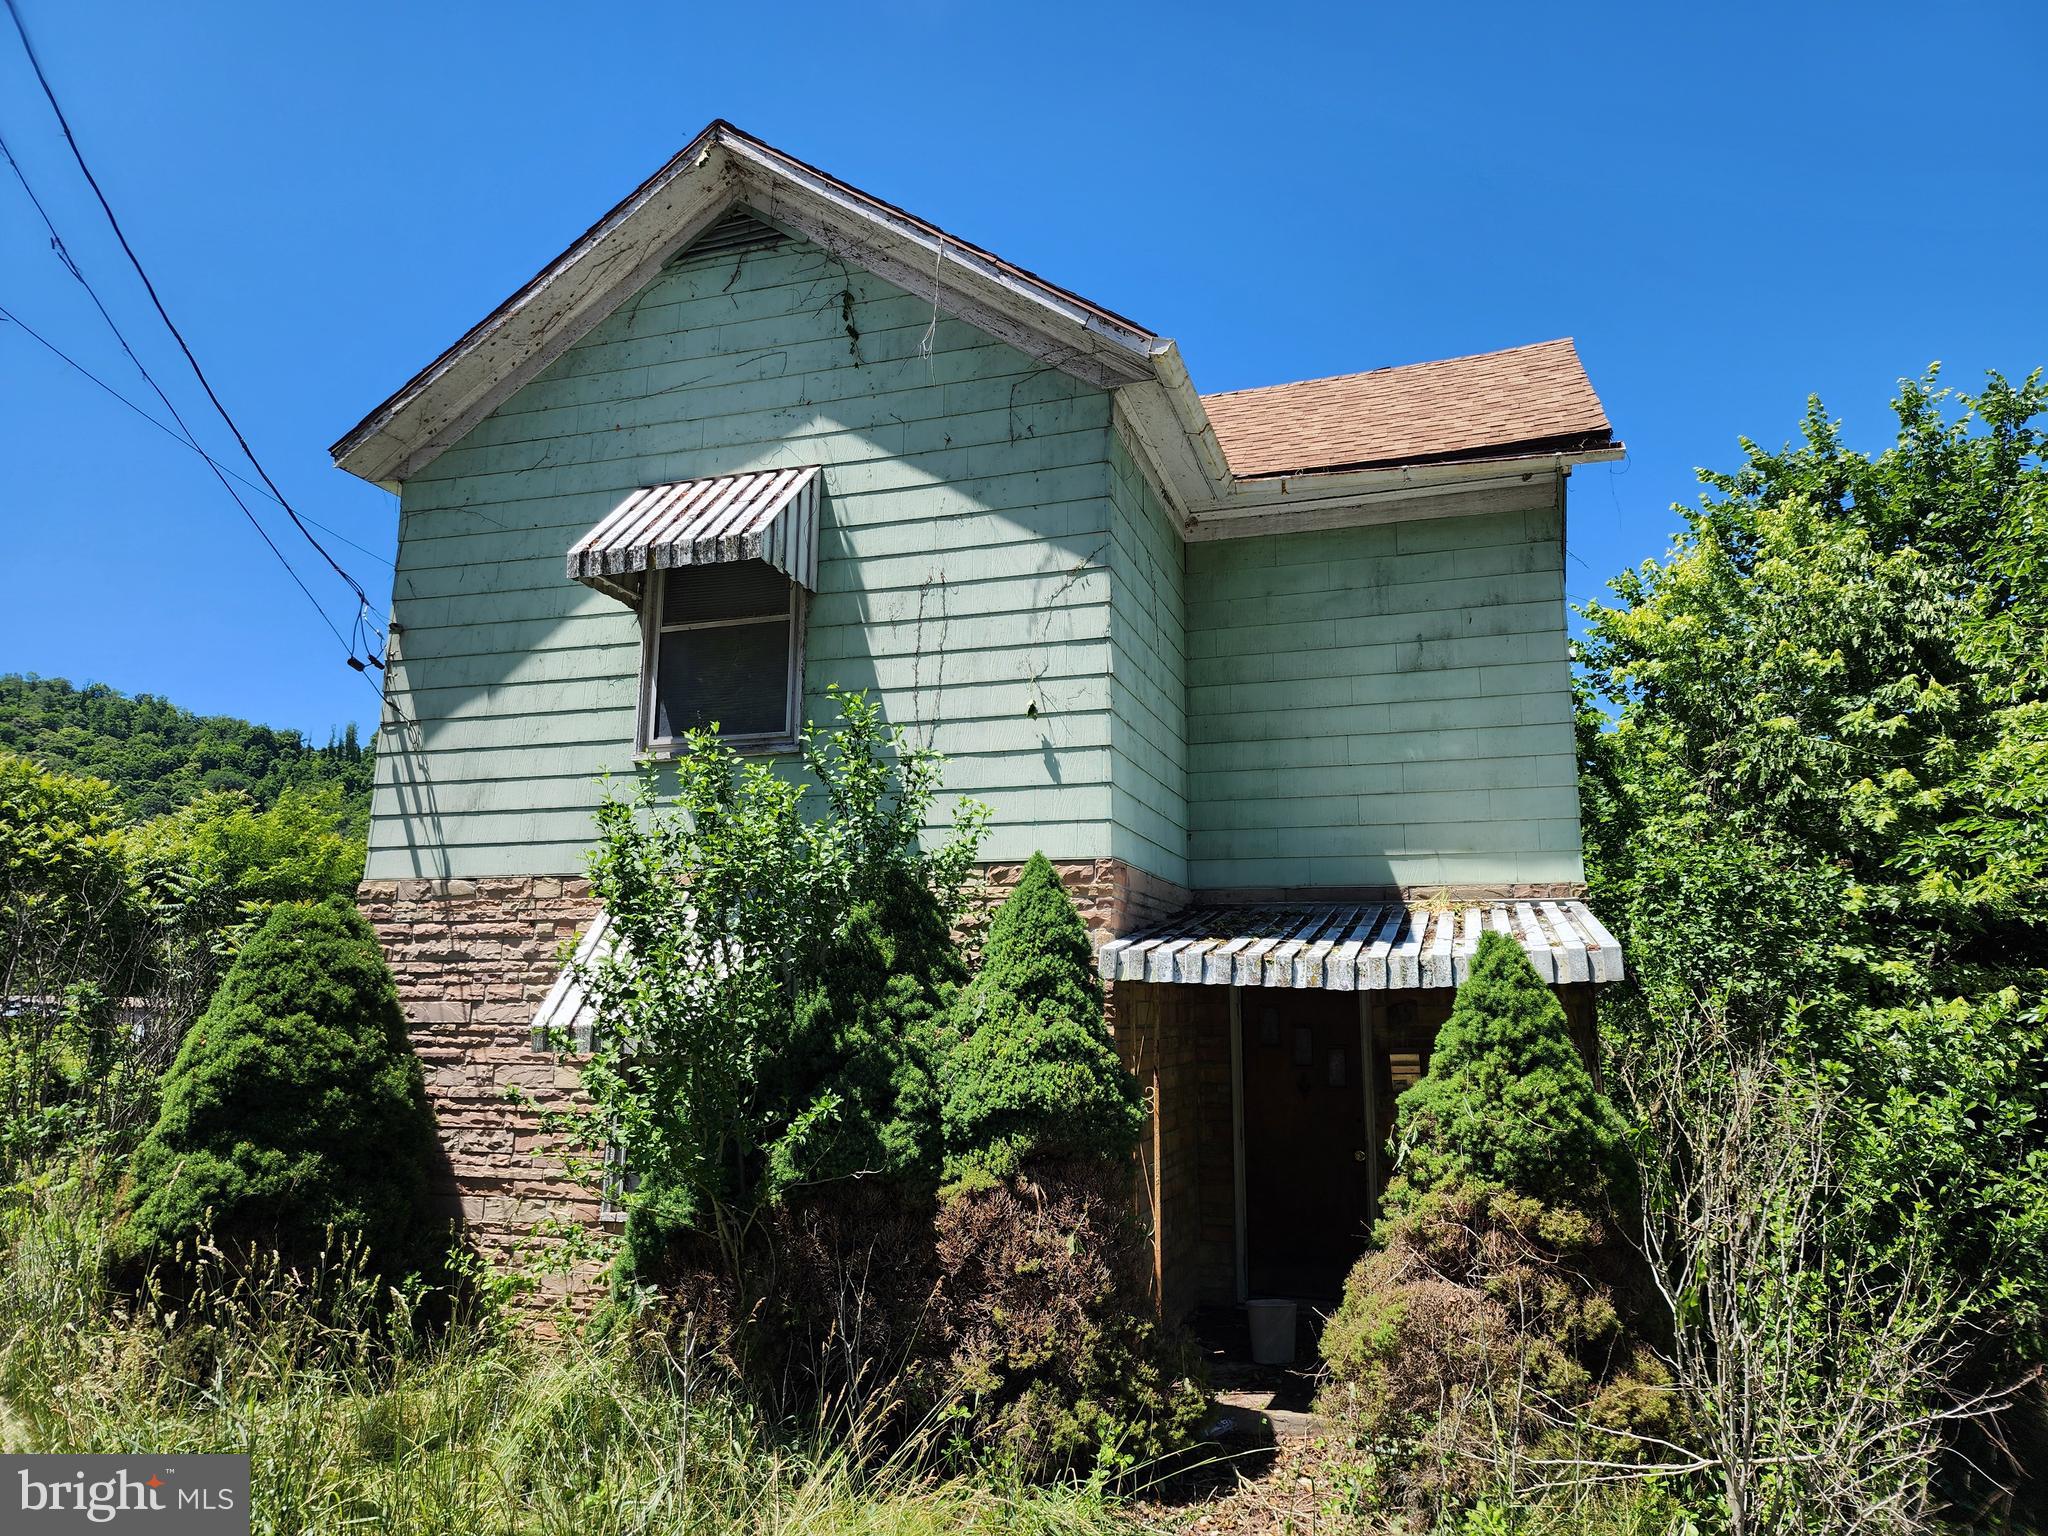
point(159, 756)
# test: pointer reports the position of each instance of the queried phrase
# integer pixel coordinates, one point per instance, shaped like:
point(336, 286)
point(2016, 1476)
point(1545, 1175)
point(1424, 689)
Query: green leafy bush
point(1507, 1098)
point(1033, 1075)
point(767, 1018)
point(294, 1115)
point(75, 939)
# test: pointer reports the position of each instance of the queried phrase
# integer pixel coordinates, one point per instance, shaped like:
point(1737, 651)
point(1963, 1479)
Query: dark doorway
point(1307, 1174)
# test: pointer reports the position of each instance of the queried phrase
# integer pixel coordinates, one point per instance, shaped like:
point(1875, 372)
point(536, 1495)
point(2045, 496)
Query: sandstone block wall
point(473, 960)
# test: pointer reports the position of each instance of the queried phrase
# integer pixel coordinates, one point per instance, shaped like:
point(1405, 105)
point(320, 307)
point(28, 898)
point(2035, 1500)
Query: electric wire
point(71, 266)
point(9, 317)
point(77, 154)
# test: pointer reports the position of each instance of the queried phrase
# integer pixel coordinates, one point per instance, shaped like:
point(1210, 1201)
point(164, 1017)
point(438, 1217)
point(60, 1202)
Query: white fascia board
point(583, 285)
point(1358, 498)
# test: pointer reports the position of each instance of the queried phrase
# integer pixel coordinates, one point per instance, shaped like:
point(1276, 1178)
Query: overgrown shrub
point(1051, 1336)
point(766, 1056)
point(1044, 1300)
point(1507, 1098)
point(1033, 1075)
point(294, 1115)
point(1488, 1329)
point(1496, 1321)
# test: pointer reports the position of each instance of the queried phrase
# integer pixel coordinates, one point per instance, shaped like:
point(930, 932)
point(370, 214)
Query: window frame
point(753, 743)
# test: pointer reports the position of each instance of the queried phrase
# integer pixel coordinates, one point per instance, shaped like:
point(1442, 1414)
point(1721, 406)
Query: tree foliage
point(768, 1011)
point(295, 1114)
point(159, 757)
point(1508, 1099)
point(1033, 1076)
point(1817, 809)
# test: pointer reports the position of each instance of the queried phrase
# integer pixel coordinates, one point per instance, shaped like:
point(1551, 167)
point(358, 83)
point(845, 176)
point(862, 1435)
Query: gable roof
point(1523, 400)
point(718, 168)
point(1337, 443)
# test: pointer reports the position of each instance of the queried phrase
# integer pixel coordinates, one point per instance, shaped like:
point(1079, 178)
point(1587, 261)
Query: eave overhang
point(720, 167)
point(1157, 404)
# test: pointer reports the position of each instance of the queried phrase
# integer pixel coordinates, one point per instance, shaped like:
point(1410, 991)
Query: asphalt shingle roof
point(1527, 398)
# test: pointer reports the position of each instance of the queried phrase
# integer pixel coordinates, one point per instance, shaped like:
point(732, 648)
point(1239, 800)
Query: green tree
point(1508, 1099)
point(767, 1011)
point(1816, 788)
point(294, 1115)
point(1034, 1076)
point(75, 941)
point(158, 756)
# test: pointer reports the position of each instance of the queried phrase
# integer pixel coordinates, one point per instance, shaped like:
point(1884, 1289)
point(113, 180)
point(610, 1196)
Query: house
point(1277, 677)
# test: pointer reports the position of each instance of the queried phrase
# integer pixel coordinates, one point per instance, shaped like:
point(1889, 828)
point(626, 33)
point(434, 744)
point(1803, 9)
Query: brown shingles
point(1526, 398)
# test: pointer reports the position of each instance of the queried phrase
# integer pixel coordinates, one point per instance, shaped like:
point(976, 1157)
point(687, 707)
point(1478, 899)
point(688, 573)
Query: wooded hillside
point(159, 756)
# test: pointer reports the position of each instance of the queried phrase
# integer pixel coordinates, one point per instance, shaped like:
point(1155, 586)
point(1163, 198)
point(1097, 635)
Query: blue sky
point(1729, 206)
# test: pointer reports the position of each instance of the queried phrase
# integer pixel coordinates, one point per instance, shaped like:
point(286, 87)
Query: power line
point(71, 266)
point(172, 433)
point(50, 95)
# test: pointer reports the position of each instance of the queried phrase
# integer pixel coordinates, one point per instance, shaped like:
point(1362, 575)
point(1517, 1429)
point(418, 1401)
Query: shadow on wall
point(964, 534)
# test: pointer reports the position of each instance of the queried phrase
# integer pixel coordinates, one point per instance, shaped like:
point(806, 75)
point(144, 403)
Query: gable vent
point(737, 231)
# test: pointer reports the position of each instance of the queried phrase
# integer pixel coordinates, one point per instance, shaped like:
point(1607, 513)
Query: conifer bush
point(1498, 1317)
point(1044, 1300)
point(1507, 1098)
point(294, 1117)
point(1033, 1076)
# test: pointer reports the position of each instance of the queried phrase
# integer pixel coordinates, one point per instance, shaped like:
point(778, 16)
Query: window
point(723, 645)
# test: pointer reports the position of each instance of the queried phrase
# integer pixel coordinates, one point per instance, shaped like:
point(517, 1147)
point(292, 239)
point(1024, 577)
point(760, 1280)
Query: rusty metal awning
point(1360, 947)
point(770, 515)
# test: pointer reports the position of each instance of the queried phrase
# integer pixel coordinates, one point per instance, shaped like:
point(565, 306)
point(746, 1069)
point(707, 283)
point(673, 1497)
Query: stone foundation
point(474, 958)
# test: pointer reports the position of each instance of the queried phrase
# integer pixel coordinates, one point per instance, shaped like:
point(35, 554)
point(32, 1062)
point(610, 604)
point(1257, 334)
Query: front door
point(1307, 1163)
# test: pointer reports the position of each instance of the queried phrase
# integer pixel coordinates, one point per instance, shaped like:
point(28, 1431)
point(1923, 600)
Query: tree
point(1034, 1077)
point(1507, 1098)
point(75, 941)
point(214, 869)
point(1045, 1304)
point(159, 757)
point(1816, 808)
point(295, 1115)
point(1815, 766)
point(1494, 1332)
point(767, 1012)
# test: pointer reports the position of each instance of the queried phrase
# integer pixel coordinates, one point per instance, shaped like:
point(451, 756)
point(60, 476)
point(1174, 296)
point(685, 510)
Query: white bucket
point(1272, 1327)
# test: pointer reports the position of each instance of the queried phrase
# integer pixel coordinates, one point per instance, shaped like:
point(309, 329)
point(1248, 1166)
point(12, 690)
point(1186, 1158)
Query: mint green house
point(1278, 678)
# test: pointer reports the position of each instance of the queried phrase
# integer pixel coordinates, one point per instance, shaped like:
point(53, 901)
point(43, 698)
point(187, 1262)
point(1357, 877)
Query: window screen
point(722, 654)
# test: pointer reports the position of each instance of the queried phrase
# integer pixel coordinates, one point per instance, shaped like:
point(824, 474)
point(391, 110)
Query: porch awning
point(770, 515)
point(1359, 947)
point(567, 1012)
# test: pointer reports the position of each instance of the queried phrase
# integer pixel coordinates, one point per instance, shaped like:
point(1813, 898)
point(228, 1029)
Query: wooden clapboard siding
point(1388, 705)
point(1148, 672)
point(971, 529)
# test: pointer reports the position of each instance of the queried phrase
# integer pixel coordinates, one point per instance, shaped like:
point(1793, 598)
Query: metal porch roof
point(1360, 947)
point(769, 515)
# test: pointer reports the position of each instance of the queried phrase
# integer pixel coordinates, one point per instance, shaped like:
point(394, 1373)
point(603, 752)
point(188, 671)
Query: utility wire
point(172, 433)
point(50, 95)
point(71, 266)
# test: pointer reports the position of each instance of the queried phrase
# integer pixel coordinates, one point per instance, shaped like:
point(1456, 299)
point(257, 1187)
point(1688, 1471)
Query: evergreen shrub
point(1033, 1074)
point(294, 1117)
point(1507, 1098)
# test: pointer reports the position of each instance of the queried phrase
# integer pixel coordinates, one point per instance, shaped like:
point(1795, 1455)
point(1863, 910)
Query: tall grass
point(357, 1427)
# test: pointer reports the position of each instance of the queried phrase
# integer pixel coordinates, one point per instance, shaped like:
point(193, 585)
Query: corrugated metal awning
point(770, 515)
point(567, 1013)
point(1360, 947)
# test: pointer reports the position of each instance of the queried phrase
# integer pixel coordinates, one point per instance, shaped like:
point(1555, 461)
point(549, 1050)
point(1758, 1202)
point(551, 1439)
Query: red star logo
point(155, 1481)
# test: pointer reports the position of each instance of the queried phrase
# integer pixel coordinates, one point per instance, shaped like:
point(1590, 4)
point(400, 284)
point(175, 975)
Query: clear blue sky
point(1729, 207)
